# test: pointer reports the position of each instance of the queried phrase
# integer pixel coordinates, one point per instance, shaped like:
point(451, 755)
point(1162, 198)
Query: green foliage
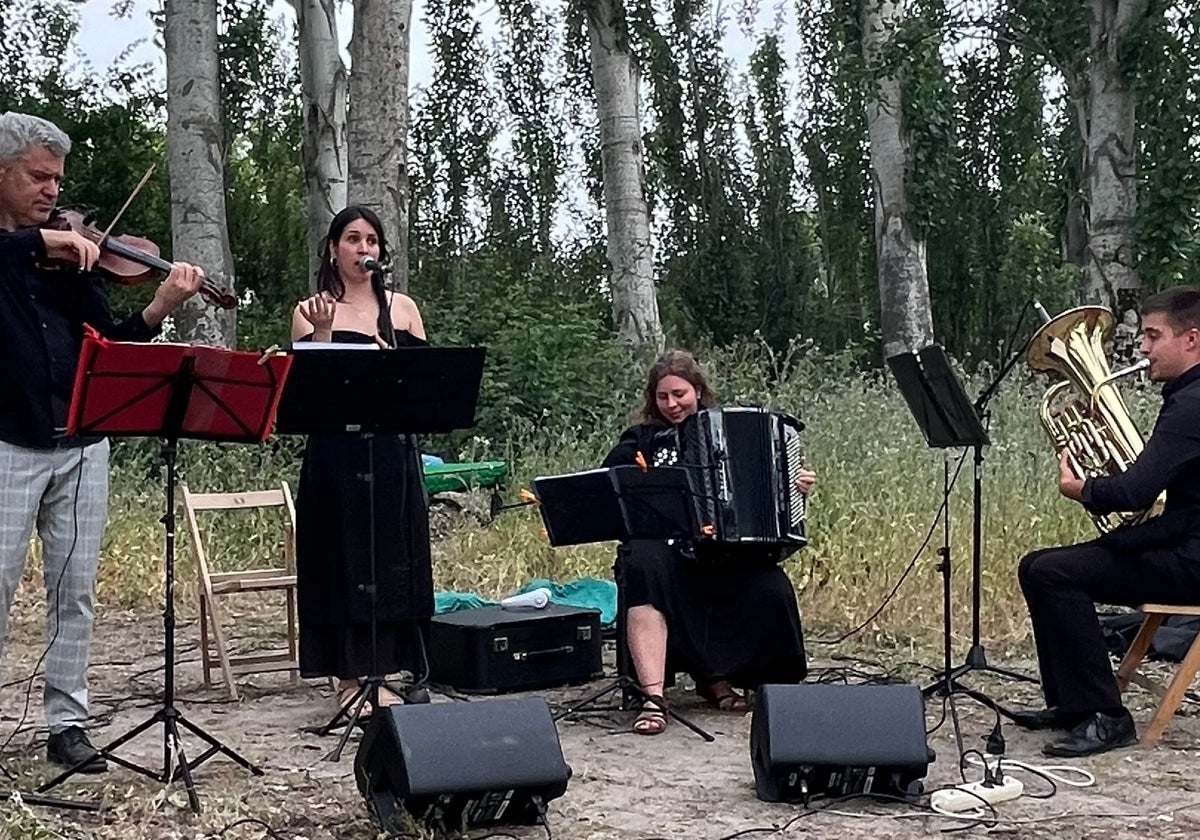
point(453, 128)
point(264, 200)
point(833, 138)
point(1168, 222)
point(552, 361)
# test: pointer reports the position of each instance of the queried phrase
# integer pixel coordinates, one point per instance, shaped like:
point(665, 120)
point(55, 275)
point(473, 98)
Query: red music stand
point(172, 391)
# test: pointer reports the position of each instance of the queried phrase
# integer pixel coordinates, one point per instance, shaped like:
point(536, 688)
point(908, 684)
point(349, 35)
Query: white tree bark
point(323, 85)
point(377, 129)
point(907, 321)
point(630, 250)
point(196, 165)
point(1110, 162)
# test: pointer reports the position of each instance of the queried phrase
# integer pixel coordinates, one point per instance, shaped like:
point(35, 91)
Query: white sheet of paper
point(332, 345)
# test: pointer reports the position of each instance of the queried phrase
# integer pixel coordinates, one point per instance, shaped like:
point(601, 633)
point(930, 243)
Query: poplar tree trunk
point(195, 160)
point(377, 127)
point(323, 86)
point(1110, 158)
point(630, 250)
point(907, 320)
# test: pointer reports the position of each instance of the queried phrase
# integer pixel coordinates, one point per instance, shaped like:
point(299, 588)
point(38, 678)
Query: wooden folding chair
point(1171, 695)
point(215, 585)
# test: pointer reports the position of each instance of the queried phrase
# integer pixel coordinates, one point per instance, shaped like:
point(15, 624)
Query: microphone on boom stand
point(374, 266)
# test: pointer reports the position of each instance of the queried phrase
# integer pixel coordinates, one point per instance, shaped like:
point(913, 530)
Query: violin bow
point(128, 201)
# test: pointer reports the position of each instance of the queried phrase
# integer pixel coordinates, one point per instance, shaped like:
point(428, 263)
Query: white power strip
point(971, 796)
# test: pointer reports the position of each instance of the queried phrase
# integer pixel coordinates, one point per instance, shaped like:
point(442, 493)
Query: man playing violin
point(58, 483)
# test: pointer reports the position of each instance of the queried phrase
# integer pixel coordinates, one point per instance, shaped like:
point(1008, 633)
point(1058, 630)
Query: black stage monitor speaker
point(809, 741)
point(453, 766)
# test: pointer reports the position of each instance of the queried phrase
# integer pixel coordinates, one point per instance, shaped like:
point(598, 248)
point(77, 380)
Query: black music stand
point(948, 420)
point(172, 391)
point(402, 391)
point(620, 503)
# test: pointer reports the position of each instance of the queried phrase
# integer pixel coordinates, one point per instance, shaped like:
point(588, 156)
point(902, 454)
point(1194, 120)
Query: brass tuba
point(1093, 423)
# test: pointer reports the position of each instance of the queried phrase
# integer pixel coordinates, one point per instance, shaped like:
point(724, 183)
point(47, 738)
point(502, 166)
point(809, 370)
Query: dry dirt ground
point(623, 786)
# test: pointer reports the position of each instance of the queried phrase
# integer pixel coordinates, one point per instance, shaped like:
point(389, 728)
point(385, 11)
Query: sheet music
point(331, 345)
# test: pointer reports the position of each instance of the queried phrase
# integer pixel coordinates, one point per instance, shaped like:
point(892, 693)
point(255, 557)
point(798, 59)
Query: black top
point(1170, 461)
point(659, 445)
point(42, 313)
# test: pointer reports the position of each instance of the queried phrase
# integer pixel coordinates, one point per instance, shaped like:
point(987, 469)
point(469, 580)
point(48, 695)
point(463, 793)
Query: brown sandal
point(721, 695)
point(345, 695)
point(652, 720)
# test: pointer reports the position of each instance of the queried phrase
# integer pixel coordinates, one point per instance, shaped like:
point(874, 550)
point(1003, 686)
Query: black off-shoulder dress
point(333, 551)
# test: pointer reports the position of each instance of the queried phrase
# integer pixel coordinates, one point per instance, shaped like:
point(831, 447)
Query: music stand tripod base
point(352, 713)
point(400, 391)
point(171, 391)
point(947, 420)
point(628, 686)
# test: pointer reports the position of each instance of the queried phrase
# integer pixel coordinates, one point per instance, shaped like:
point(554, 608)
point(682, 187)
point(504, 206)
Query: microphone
point(373, 265)
point(1041, 311)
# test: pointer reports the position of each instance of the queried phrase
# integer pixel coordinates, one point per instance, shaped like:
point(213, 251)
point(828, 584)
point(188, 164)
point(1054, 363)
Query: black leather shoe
point(1053, 718)
point(1098, 733)
point(72, 746)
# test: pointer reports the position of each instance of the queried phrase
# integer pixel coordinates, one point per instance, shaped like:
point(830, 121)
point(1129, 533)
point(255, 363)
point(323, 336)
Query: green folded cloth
point(448, 602)
point(588, 593)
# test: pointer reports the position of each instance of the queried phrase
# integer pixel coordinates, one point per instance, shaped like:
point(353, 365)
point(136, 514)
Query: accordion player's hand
point(805, 480)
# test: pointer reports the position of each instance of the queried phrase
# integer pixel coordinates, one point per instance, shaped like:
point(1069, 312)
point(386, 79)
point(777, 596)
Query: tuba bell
point(1085, 414)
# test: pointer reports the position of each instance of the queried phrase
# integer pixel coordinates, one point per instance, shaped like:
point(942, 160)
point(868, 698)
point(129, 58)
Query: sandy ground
point(623, 785)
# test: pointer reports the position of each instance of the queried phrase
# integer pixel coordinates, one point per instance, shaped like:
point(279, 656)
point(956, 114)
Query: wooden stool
point(1172, 695)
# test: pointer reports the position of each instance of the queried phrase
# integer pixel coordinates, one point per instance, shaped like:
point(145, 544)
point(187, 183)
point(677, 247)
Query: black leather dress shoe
point(1053, 718)
point(1098, 733)
point(72, 746)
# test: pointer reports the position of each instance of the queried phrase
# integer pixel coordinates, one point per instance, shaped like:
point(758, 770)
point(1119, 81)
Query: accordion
point(745, 462)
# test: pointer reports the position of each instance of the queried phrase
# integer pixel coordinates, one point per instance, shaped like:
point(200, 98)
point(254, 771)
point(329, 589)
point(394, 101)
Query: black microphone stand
point(976, 659)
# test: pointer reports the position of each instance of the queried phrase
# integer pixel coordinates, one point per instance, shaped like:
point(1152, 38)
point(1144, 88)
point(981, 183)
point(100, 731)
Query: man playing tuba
point(1157, 560)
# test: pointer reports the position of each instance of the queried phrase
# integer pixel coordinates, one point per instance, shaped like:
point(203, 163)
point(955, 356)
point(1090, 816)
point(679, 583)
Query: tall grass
point(879, 492)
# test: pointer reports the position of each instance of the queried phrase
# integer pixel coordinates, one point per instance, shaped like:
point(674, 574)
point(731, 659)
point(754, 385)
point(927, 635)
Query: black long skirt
point(732, 620)
point(334, 558)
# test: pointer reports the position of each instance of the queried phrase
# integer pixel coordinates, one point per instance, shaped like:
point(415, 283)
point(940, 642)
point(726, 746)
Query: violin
point(129, 260)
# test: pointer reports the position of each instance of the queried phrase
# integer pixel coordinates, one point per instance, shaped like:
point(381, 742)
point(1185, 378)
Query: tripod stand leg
point(352, 712)
point(1012, 675)
point(589, 700)
point(628, 687)
point(669, 712)
point(174, 749)
point(215, 747)
point(48, 801)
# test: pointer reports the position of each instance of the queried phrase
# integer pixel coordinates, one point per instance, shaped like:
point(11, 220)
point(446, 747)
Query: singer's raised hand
point(319, 310)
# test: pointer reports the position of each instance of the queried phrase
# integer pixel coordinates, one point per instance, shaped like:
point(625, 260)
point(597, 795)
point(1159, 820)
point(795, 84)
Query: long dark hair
point(679, 363)
point(328, 279)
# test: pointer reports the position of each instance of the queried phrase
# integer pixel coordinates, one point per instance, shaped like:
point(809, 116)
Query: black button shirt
point(42, 313)
point(1170, 461)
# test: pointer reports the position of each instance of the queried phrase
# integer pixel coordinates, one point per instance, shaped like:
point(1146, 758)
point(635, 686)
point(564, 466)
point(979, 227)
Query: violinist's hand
point(318, 310)
point(181, 283)
point(68, 246)
point(805, 480)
